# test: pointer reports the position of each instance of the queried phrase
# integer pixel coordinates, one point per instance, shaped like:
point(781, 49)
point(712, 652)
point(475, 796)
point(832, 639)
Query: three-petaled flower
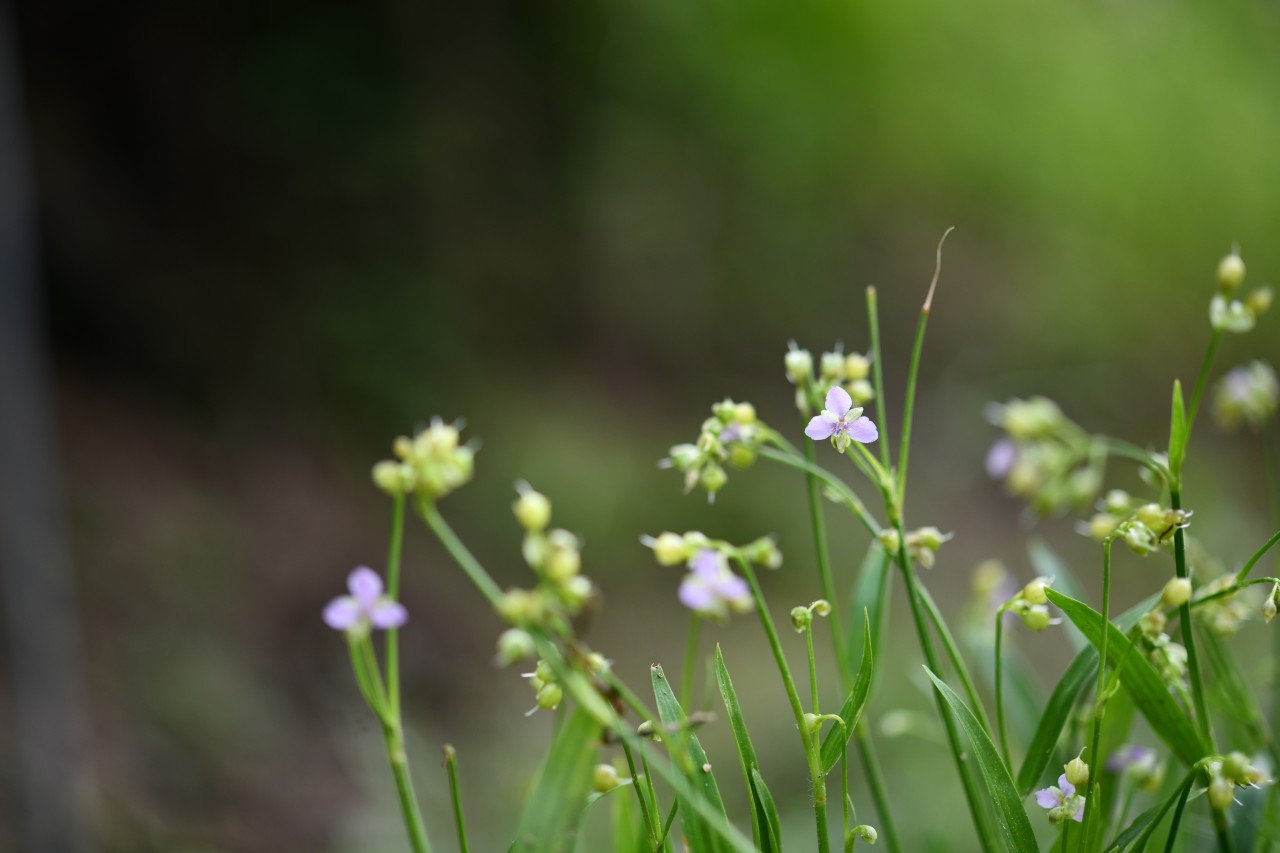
point(1062, 801)
point(841, 421)
point(712, 589)
point(366, 605)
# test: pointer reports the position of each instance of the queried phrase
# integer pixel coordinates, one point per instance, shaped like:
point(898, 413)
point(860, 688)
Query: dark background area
point(271, 237)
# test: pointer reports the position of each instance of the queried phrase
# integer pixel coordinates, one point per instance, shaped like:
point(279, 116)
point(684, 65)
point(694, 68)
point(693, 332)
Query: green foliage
point(764, 818)
point(553, 809)
point(833, 745)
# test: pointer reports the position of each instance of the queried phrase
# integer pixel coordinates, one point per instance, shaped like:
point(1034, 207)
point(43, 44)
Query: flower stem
point(394, 739)
point(953, 654)
point(877, 373)
point(644, 790)
point(393, 591)
point(1202, 380)
point(451, 765)
point(1099, 702)
point(1184, 613)
point(825, 576)
point(1258, 555)
point(999, 666)
point(464, 558)
point(816, 774)
point(813, 669)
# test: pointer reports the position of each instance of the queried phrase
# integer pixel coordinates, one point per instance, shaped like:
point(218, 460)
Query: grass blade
point(1140, 678)
point(551, 815)
point(1082, 670)
point(833, 744)
point(1015, 832)
point(760, 829)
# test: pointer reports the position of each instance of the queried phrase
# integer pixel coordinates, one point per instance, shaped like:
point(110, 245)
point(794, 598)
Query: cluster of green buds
point(1226, 313)
point(556, 557)
point(1246, 395)
point(1226, 774)
point(432, 464)
point(922, 544)
point(1032, 605)
point(1169, 658)
point(1144, 527)
point(1045, 458)
point(1224, 614)
point(547, 691)
point(731, 436)
point(850, 372)
point(802, 616)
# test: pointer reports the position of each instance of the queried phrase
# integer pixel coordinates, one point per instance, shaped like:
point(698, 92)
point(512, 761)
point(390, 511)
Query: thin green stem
point(1258, 555)
point(953, 654)
point(363, 681)
point(1100, 693)
point(877, 373)
point(999, 666)
point(1177, 819)
point(393, 591)
point(451, 766)
point(1202, 381)
point(875, 781)
point(690, 659)
point(813, 668)
point(1222, 832)
point(399, 762)
point(1188, 635)
point(846, 494)
point(816, 773)
point(463, 557)
point(825, 576)
point(641, 790)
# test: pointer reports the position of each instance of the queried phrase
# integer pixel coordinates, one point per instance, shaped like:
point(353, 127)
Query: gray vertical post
point(35, 560)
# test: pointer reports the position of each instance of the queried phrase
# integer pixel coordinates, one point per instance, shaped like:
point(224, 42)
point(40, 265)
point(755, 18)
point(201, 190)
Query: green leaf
point(553, 810)
point(1015, 833)
point(771, 822)
point(746, 754)
point(628, 829)
point(870, 596)
point(833, 744)
point(1177, 432)
point(690, 759)
point(1056, 713)
point(1140, 678)
point(1144, 825)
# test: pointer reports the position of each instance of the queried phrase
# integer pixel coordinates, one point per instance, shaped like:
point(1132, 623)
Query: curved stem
point(1258, 555)
point(1188, 635)
point(1202, 380)
point(850, 498)
point(825, 576)
point(463, 557)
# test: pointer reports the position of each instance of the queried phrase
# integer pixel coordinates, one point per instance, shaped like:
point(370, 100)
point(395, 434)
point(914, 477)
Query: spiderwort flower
point(1062, 801)
point(712, 589)
point(366, 606)
point(841, 421)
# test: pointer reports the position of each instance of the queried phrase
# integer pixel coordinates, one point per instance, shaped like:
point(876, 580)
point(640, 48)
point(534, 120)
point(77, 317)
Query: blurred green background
point(274, 236)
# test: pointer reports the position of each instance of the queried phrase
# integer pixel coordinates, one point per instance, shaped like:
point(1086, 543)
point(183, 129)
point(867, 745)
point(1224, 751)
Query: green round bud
point(812, 722)
point(822, 607)
point(831, 368)
point(1260, 300)
point(1235, 766)
point(1033, 593)
point(867, 833)
point(741, 456)
point(550, 696)
point(1117, 501)
point(514, 645)
point(598, 663)
point(713, 478)
point(402, 447)
point(684, 457)
point(1221, 793)
point(576, 591)
point(799, 364)
point(1230, 272)
point(519, 606)
point(669, 549)
point(744, 413)
point(532, 509)
point(1077, 772)
point(1177, 592)
point(800, 618)
point(860, 391)
point(386, 476)
point(1036, 617)
point(856, 366)
point(562, 564)
point(1102, 525)
point(604, 778)
point(890, 541)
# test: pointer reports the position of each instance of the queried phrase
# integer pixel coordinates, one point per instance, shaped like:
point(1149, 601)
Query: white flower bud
point(856, 366)
point(1230, 272)
point(800, 618)
point(831, 367)
point(604, 778)
point(532, 509)
point(1177, 592)
point(744, 413)
point(799, 365)
point(1077, 772)
point(1221, 793)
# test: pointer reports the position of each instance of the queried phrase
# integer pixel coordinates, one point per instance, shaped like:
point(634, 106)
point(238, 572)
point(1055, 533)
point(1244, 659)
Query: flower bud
point(744, 413)
point(1140, 539)
point(386, 476)
point(741, 456)
point(532, 509)
point(763, 552)
point(1235, 766)
point(1177, 592)
point(604, 778)
point(669, 549)
point(713, 478)
point(1231, 316)
point(520, 606)
point(1230, 272)
point(514, 645)
point(1036, 617)
point(1117, 501)
point(1259, 302)
point(860, 391)
point(856, 366)
point(684, 457)
point(890, 540)
point(1033, 593)
point(1269, 606)
point(1077, 772)
point(800, 618)
point(598, 663)
point(1102, 525)
point(867, 833)
point(1221, 793)
point(831, 367)
point(812, 722)
point(550, 696)
point(822, 607)
point(402, 447)
point(799, 364)
point(576, 591)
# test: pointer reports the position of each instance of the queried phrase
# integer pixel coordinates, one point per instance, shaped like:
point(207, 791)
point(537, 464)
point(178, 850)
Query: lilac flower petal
point(342, 613)
point(1000, 459)
point(1068, 790)
point(820, 427)
point(696, 594)
point(1048, 798)
point(732, 588)
point(838, 401)
point(365, 585)
point(1078, 817)
point(707, 563)
point(387, 614)
point(862, 430)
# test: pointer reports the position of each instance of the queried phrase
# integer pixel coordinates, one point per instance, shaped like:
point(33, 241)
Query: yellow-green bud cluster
point(1232, 315)
point(1247, 395)
point(547, 691)
point(1046, 460)
point(1031, 605)
point(432, 463)
point(1225, 774)
point(851, 372)
point(923, 545)
point(802, 617)
point(731, 436)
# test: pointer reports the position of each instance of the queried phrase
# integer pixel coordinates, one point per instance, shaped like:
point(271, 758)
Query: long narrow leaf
point(746, 752)
point(690, 758)
point(554, 808)
point(772, 827)
point(1056, 713)
point(1015, 832)
point(833, 744)
point(1140, 678)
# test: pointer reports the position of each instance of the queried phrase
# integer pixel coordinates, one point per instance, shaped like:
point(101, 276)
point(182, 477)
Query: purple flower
point(1061, 801)
point(841, 421)
point(712, 589)
point(1000, 459)
point(365, 606)
point(1138, 758)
